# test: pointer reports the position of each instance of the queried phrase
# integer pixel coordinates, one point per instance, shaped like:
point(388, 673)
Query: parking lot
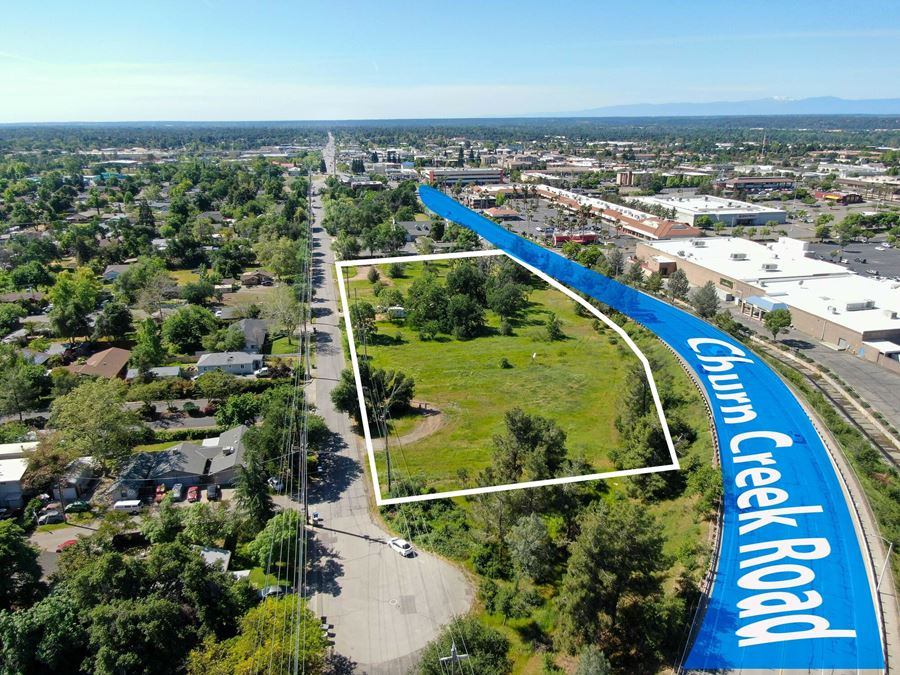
point(863, 258)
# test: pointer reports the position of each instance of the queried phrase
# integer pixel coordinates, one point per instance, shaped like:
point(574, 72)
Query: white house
point(236, 363)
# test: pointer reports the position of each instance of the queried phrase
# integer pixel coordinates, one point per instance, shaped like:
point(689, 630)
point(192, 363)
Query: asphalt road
point(383, 608)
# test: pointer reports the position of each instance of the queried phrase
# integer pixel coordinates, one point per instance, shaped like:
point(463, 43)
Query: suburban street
point(384, 608)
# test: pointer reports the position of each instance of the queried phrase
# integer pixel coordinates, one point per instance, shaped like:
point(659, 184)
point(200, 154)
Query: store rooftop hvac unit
point(770, 267)
point(890, 313)
point(699, 243)
point(860, 305)
point(738, 256)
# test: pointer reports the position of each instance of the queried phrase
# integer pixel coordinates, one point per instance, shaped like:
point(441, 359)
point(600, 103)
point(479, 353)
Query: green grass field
point(573, 382)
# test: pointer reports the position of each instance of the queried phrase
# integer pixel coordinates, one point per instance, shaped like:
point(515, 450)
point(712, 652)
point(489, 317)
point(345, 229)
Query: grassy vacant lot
point(573, 382)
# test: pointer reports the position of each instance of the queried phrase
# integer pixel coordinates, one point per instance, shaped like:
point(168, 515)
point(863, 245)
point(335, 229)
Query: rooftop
point(705, 204)
point(750, 261)
point(12, 470)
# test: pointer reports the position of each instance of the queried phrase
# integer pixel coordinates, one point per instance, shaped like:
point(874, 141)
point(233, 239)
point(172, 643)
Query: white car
point(401, 546)
point(276, 484)
point(51, 518)
point(262, 372)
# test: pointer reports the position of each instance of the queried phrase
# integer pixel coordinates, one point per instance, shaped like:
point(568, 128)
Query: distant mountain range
point(820, 105)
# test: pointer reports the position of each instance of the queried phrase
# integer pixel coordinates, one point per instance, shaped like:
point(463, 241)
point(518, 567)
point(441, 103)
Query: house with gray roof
point(254, 331)
point(236, 363)
point(213, 460)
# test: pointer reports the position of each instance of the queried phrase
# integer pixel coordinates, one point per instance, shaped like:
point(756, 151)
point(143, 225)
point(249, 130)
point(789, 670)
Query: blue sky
point(304, 59)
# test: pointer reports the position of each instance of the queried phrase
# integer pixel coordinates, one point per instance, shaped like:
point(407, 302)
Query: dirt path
point(431, 420)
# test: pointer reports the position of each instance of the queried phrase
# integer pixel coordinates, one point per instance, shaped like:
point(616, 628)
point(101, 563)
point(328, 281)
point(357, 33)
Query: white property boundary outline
point(341, 264)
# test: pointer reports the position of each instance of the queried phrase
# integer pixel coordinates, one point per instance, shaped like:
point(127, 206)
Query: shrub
point(373, 275)
point(395, 270)
point(505, 327)
point(504, 363)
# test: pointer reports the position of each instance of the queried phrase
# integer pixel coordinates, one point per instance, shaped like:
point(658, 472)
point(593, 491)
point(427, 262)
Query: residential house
point(112, 272)
point(156, 373)
point(109, 363)
point(13, 465)
point(213, 460)
point(77, 480)
point(257, 278)
point(254, 331)
point(236, 363)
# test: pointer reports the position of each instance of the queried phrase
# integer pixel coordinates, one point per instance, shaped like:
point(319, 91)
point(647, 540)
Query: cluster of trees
point(457, 304)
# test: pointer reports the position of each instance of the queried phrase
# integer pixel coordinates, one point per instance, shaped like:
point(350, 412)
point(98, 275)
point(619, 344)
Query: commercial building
point(451, 176)
point(827, 302)
point(843, 198)
point(731, 212)
point(757, 183)
point(636, 223)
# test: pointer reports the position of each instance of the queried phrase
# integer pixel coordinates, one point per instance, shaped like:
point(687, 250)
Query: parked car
point(193, 494)
point(274, 592)
point(51, 518)
point(262, 372)
point(66, 544)
point(177, 492)
point(6, 513)
point(276, 484)
point(78, 507)
point(212, 492)
point(160, 493)
point(401, 546)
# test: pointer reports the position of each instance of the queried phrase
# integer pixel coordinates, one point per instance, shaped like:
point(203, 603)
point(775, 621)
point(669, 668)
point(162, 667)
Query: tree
point(21, 383)
point(184, 330)
point(284, 256)
point(373, 274)
point(426, 301)
point(21, 576)
point(654, 283)
point(164, 526)
point(486, 647)
point(276, 546)
point(217, 385)
point(592, 661)
point(533, 448)
point(678, 285)
point(148, 351)
point(114, 321)
point(146, 635)
point(553, 326)
point(267, 641)
point(238, 409)
point(47, 637)
point(778, 321)
point(362, 319)
point(9, 316)
point(74, 296)
point(110, 430)
point(282, 311)
point(467, 278)
point(464, 316)
point(384, 390)
point(506, 299)
point(615, 260)
point(706, 300)
point(224, 340)
point(252, 490)
point(197, 292)
point(530, 547)
point(704, 222)
point(616, 559)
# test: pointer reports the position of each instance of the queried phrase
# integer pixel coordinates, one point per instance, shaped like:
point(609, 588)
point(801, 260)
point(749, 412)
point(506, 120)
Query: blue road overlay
point(791, 587)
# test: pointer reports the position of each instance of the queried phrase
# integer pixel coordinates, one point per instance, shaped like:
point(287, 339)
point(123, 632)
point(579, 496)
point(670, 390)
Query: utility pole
point(455, 656)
